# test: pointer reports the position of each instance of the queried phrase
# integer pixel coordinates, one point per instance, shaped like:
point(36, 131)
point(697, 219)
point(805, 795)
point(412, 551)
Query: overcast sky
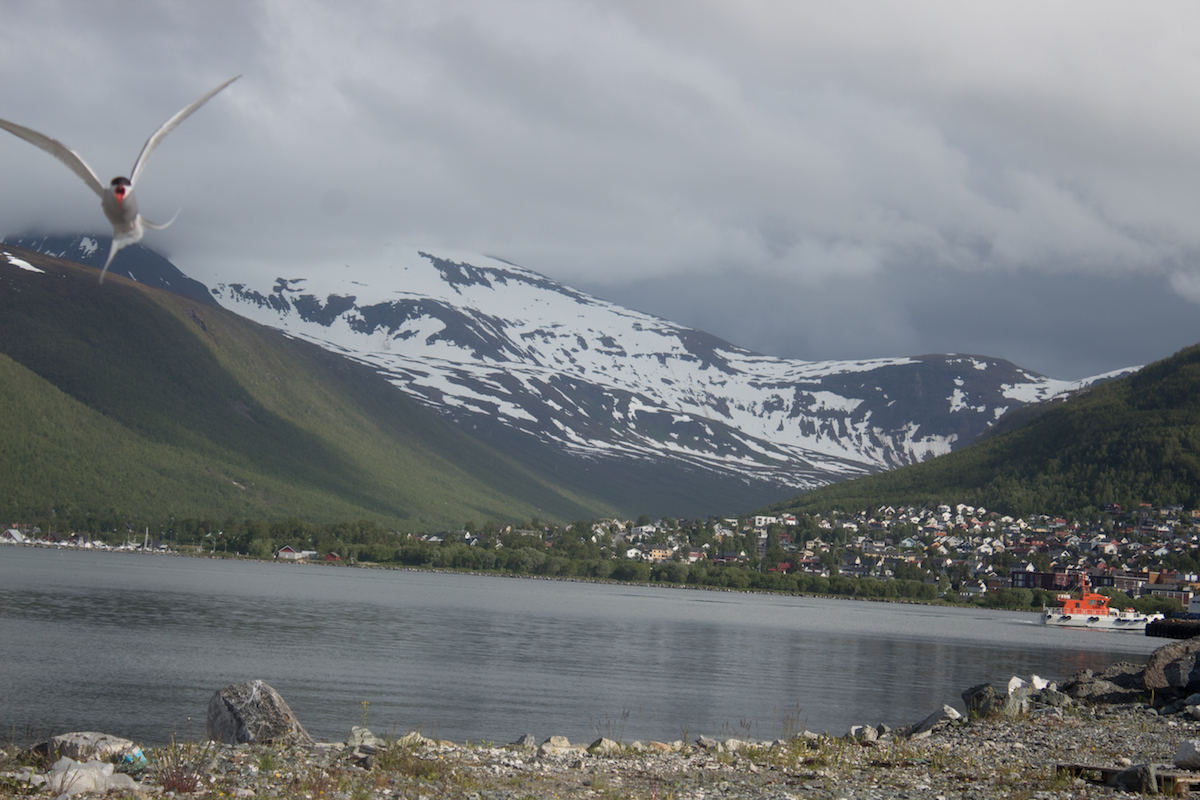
point(812, 180)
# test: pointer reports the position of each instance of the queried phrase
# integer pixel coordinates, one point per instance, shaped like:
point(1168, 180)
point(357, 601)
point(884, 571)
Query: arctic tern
point(117, 199)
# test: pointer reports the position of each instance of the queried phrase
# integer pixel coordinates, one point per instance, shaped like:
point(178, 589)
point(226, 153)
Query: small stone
point(1187, 754)
point(604, 747)
point(414, 739)
point(945, 713)
point(863, 733)
point(557, 746)
point(361, 736)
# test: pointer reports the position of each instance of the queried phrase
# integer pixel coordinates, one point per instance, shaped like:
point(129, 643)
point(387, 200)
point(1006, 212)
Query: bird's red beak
point(119, 191)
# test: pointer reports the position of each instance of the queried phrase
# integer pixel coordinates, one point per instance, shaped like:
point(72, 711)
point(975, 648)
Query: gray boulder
point(1016, 704)
point(253, 713)
point(1179, 673)
point(88, 746)
point(1119, 683)
point(1163, 671)
point(1187, 754)
point(1140, 779)
point(1053, 697)
point(982, 700)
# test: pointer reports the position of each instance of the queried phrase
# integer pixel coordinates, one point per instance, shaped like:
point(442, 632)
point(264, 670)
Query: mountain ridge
point(497, 345)
point(1124, 442)
point(651, 415)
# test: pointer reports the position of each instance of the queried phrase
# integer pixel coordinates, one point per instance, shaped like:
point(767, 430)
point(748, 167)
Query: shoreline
point(988, 758)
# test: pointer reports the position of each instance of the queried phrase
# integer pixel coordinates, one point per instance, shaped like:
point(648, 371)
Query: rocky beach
point(1132, 728)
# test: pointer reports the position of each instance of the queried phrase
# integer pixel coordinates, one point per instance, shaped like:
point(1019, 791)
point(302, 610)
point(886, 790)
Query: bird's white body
point(117, 200)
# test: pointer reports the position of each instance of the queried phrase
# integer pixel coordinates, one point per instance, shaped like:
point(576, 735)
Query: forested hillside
point(135, 404)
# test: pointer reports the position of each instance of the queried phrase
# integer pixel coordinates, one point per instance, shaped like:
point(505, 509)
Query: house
point(288, 553)
point(660, 552)
point(332, 557)
point(12, 536)
point(974, 588)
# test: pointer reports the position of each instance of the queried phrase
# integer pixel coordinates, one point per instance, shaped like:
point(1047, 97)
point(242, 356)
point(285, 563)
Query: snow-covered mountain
point(517, 358)
point(489, 343)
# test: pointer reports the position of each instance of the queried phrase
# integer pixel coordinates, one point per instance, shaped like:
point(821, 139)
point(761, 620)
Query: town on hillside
point(956, 553)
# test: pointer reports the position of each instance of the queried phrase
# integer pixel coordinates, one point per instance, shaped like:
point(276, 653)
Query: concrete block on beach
point(253, 713)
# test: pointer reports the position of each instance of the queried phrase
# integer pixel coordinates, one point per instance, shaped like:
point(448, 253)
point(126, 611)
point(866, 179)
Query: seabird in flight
point(117, 199)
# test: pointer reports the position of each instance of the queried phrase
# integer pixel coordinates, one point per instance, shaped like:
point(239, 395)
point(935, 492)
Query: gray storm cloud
point(809, 180)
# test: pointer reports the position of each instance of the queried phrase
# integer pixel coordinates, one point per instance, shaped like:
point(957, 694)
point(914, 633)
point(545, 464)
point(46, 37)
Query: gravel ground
point(995, 757)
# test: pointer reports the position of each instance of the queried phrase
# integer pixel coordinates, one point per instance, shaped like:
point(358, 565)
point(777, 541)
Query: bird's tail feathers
point(125, 239)
point(112, 251)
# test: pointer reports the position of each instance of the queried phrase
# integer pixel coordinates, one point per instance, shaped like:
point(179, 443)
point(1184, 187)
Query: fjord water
point(135, 645)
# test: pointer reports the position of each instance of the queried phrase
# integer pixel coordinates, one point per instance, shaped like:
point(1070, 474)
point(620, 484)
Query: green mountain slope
point(130, 401)
point(1128, 441)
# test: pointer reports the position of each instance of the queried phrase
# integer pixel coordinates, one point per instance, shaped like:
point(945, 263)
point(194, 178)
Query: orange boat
point(1090, 610)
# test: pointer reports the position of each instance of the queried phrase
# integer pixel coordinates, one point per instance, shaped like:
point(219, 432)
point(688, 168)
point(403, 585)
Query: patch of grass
point(181, 768)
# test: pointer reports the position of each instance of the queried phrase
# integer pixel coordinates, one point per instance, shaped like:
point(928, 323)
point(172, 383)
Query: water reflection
point(136, 645)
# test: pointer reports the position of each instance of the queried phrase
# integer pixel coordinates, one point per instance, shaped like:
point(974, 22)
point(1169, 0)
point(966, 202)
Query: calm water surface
point(136, 645)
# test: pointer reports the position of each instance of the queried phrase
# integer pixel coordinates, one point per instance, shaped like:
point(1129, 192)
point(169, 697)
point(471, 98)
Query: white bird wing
point(166, 128)
point(59, 151)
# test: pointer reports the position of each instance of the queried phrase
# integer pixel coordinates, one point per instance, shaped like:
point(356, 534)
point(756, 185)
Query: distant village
point(971, 552)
